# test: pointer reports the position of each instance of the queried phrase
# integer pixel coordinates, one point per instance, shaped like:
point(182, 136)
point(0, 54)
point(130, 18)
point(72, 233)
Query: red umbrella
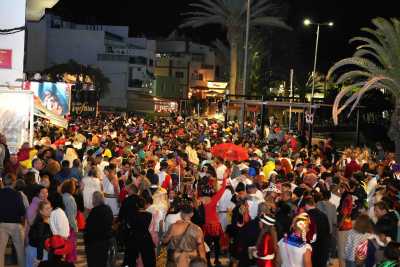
point(229, 151)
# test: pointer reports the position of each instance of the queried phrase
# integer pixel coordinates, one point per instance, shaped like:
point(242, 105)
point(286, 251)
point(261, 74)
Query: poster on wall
point(5, 58)
point(16, 113)
point(55, 97)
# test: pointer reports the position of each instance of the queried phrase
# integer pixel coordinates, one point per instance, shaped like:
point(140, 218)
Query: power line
point(12, 30)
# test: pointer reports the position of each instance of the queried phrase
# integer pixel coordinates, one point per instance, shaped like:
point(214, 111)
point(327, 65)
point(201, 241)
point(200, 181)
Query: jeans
point(31, 256)
point(16, 232)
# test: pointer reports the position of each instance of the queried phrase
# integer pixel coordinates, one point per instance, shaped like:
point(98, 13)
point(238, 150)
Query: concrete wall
point(36, 46)
point(117, 72)
point(80, 45)
point(12, 15)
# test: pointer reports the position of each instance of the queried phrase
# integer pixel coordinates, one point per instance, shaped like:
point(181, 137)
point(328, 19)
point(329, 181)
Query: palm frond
point(271, 22)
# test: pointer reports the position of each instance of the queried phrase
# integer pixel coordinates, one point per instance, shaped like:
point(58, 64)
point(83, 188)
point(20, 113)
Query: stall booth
point(16, 117)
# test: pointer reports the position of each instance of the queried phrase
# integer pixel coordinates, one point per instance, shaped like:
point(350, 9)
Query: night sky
point(157, 18)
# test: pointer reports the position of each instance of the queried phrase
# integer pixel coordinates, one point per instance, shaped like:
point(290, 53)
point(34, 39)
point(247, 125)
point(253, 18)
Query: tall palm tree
point(375, 65)
point(231, 14)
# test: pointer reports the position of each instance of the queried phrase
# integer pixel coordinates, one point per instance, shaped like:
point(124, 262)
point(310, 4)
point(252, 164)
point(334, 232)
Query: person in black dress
point(98, 232)
point(140, 242)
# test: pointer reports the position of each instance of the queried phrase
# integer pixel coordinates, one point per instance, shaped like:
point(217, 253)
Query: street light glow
point(330, 24)
point(307, 22)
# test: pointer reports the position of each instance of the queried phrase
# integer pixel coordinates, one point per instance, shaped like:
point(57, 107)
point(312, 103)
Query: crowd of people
point(154, 190)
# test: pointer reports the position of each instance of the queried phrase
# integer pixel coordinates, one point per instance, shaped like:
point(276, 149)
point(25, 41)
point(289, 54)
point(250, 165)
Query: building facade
point(127, 62)
point(193, 66)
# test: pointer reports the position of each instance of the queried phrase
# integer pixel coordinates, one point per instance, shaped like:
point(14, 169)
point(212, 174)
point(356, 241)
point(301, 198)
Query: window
point(179, 74)
point(139, 69)
point(138, 60)
point(135, 83)
point(130, 73)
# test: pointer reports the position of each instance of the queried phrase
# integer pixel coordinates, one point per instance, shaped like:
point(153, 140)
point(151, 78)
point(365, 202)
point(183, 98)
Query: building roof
point(35, 9)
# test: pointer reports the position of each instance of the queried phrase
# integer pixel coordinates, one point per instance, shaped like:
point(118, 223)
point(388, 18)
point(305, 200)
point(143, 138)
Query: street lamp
point(308, 22)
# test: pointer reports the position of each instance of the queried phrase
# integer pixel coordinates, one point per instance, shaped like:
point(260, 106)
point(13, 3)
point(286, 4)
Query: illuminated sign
point(217, 85)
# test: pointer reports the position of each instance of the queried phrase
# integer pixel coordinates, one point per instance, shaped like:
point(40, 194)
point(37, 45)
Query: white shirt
point(253, 206)
point(59, 224)
point(225, 202)
point(220, 172)
point(90, 185)
point(161, 177)
point(335, 200)
point(292, 256)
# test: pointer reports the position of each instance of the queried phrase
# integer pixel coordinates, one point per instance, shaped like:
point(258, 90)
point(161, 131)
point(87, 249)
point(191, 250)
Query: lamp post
point(246, 51)
point(308, 22)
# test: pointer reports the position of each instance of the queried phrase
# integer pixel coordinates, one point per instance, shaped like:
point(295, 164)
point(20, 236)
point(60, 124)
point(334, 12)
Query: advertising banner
point(84, 103)
point(16, 118)
point(55, 97)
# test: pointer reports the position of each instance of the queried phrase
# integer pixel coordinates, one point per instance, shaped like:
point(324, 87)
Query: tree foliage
point(95, 75)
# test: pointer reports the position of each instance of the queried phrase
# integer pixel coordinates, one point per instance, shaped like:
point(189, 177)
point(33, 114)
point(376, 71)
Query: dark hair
point(141, 203)
point(29, 178)
point(93, 172)
point(326, 194)
point(383, 226)
point(381, 205)
point(19, 185)
point(38, 189)
point(57, 201)
point(65, 164)
point(309, 201)
point(146, 195)
point(186, 209)
point(76, 163)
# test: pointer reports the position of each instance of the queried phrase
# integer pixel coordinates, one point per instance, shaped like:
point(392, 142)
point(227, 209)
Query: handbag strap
point(183, 235)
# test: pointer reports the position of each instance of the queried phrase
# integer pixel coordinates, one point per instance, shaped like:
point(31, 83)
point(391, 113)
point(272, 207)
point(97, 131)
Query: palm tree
point(231, 14)
point(375, 65)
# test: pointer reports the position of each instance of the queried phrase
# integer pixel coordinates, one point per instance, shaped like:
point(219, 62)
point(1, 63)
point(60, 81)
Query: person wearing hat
point(58, 247)
point(294, 249)
point(265, 251)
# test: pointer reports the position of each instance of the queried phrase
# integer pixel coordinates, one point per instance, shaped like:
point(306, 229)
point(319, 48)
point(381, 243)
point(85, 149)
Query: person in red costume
point(265, 250)
point(212, 227)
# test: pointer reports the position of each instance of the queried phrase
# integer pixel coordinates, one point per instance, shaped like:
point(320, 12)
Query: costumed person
point(293, 249)
point(212, 227)
point(265, 250)
point(111, 189)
